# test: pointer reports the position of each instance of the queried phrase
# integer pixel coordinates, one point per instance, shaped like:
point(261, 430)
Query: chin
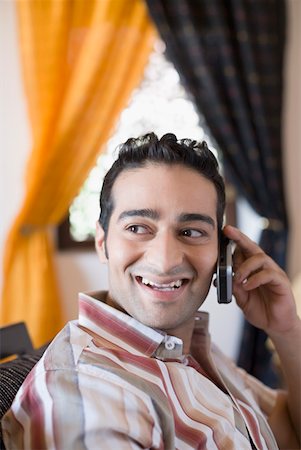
point(160, 324)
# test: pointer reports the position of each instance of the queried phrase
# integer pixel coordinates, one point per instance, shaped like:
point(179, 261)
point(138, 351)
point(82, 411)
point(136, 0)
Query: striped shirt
point(109, 382)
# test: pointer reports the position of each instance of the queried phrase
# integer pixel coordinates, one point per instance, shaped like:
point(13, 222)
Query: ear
point(100, 243)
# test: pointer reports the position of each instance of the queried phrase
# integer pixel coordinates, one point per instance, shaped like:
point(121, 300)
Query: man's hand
point(261, 287)
point(263, 292)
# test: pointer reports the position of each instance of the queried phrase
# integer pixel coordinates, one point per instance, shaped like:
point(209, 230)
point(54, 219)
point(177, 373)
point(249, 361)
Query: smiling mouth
point(167, 287)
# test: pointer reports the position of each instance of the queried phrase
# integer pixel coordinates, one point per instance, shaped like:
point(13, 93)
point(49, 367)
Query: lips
point(174, 285)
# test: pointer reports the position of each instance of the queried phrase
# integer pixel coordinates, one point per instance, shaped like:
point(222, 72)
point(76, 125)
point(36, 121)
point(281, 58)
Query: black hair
point(136, 153)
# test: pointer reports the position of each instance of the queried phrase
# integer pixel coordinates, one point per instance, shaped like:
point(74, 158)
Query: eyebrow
point(191, 217)
point(154, 215)
point(149, 213)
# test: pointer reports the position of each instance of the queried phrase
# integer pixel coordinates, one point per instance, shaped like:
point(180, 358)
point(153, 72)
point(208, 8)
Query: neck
point(183, 332)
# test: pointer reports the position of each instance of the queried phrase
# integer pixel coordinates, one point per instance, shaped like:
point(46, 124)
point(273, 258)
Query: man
point(137, 369)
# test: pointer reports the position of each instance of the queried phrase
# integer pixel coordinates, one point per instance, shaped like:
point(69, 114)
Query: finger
point(254, 264)
point(247, 246)
point(238, 258)
point(275, 281)
point(240, 294)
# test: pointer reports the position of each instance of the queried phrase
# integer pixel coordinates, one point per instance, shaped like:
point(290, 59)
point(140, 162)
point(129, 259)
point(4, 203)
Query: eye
point(192, 233)
point(138, 229)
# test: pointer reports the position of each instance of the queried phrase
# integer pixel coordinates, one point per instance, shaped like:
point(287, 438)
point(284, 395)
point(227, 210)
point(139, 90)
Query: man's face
point(161, 243)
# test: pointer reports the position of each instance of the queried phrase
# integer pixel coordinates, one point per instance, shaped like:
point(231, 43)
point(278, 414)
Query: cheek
point(122, 253)
point(206, 262)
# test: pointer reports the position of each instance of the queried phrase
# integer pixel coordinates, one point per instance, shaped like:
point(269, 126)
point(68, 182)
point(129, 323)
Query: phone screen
point(224, 270)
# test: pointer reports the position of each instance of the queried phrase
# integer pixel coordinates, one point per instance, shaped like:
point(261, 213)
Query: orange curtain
point(81, 60)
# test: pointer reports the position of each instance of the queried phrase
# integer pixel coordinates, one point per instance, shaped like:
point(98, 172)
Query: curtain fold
point(229, 54)
point(81, 60)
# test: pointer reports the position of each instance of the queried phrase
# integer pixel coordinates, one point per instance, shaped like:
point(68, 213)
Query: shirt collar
point(128, 333)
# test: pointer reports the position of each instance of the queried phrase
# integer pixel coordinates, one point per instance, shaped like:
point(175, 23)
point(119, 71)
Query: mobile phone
point(224, 270)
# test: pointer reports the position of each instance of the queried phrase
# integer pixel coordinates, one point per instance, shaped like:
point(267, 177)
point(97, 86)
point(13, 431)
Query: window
point(159, 104)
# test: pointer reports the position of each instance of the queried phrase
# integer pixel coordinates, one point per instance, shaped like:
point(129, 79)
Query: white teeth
point(172, 285)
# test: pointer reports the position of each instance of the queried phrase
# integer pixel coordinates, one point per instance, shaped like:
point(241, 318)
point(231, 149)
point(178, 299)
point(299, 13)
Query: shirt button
point(170, 345)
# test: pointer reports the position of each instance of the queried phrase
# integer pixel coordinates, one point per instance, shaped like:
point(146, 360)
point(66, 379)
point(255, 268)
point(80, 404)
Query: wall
point(81, 271)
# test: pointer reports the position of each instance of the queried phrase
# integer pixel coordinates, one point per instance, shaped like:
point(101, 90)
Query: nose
point(165, 252)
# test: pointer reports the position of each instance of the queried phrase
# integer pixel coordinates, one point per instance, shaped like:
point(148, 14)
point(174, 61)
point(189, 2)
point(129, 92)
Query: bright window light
point(160, 104)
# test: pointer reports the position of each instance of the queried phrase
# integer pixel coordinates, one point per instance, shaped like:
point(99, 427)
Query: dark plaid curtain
point(229, 54)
